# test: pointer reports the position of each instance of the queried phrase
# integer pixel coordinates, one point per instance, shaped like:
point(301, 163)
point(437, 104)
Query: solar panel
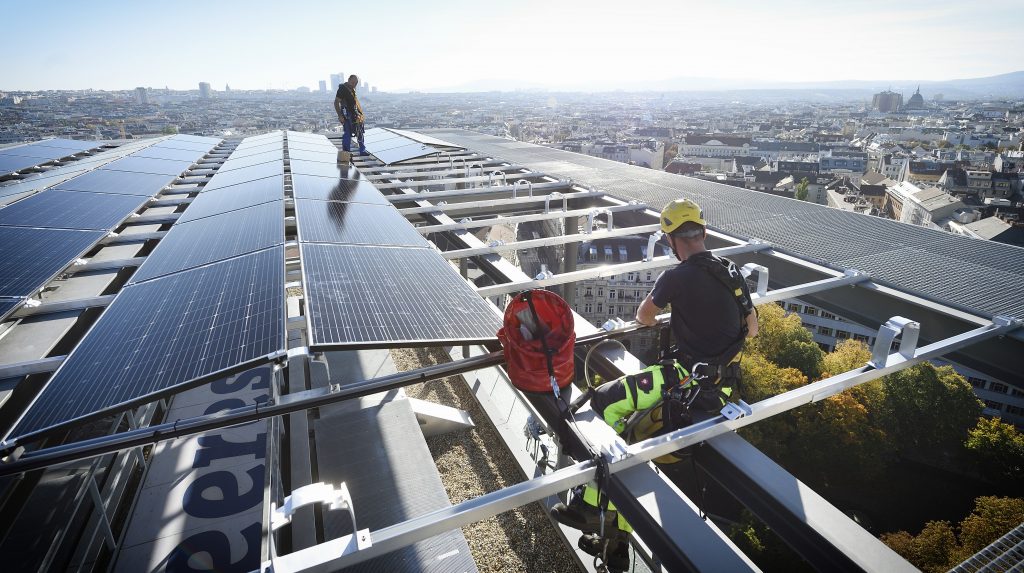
point(354, 223)
point(7, 305)
point(149, 165)
point(211, 141)
point(384, 145)
point(11, 163)
point(419, 137)
point(36, 151)
point(257, 149)
point(325, 147)
point(120, 182)
point(159, 335)
point(70, 210)
point(215, 238)
point(157, 152)
point(328, 189)
point(321, 169)
point(31, 257)
point(384, 297)
point(184, 145)
point(377, 135)
point(325, 156)
point(72, 144)
point(234, 197)
point(249, 160)
point(228, 178)
point(404, 153)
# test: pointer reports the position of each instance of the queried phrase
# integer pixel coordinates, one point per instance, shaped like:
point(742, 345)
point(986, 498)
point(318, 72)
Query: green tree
point(763, 547)
point(801, 189)
point(762, 379)
point(998, 449)
point(782, 339)
point(992, 518)
point(928, 409)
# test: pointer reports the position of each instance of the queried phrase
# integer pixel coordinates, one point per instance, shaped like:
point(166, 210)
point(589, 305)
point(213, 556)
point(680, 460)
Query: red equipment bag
point(538, 326)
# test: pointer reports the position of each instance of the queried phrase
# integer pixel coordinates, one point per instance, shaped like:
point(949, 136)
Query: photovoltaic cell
point(11, 163)
point(120, 182)
point(257, 149)
point(354, 223)
point(184, 145)
point(384, 297)
point(157, 152)
point(321, 169)
point(73, 145)
point(228, 178)
point(248, 161)
point(234, 197)
point(149, 165)
point(404, 153)
point(36, 151)
point(189, 245)
point(30, 257)
point(158, 335)
point(325, 147)
point(7, 305)
point(70, 210)
point(329, 189)
point(326, 156)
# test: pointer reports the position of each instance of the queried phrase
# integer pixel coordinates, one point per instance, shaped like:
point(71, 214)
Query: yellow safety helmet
point(678, 212)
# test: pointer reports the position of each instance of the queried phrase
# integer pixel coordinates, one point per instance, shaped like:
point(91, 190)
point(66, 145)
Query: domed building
point(916, 101)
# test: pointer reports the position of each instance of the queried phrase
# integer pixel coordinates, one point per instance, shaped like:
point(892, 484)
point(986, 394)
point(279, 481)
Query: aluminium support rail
point(554, 185)
point(526, 218)
point(549, 241)
point(522, 202)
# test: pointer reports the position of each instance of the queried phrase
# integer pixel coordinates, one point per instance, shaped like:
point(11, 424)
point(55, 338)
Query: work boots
point(617, 556)
point(583, 516)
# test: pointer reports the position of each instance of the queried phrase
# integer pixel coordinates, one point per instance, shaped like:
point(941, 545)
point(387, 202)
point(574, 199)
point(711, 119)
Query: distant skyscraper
point(366, 86)
point(227, 88)
point(141, 96)
point(887, 101)
point(204, 90)
point(336, 80)
point(373, 89)
point(323, 87)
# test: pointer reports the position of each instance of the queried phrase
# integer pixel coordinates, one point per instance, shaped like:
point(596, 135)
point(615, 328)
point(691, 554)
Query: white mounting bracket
point(593, 214)
point(888, 332)
point(547, 202)
point(762, 276)
point(332, 498)
point(651, 241)
point(613, 323)
point(738, 410)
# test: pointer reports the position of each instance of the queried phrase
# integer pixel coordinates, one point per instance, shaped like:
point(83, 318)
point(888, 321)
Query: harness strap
point(544, 344)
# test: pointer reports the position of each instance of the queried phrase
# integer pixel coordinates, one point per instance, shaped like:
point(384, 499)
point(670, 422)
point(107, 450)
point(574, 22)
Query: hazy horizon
point(553, 46)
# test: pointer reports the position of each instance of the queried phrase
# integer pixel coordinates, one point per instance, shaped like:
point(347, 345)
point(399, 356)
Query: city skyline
point(402, 46)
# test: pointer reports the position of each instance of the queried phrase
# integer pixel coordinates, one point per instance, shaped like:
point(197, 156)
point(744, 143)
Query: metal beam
point(823, 535)
point(130, 238)
point(151, 219)
point(457, 180)
point(401, 168)
point(104, 265)
point(40, 366)
point(498, 189)
point(549, 241)
point(605, 271)
point(526, 218)
point(797, 291)
point(510, 202)
point(64, 306)
point(406, 176)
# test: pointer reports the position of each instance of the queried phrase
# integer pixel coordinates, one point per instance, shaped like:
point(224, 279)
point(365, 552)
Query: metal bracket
point(762, 276)
point(888, 332)
point(738, 410)
point(651, 241)
point(515, 187)
point(593, 214)
point(333, 498)
point(547, 201)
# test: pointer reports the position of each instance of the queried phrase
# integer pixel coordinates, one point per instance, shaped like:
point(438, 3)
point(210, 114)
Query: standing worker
point(350, 114)
point(712, 315)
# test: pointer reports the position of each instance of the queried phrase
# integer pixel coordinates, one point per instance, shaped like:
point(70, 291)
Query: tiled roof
point(988, 277)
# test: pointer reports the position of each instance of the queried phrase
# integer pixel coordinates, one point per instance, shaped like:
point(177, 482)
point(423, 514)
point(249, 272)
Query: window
point(648, 279)
point(791, 307)
point(588, 292)
point(1016, 393)
point(611, 294)
point(976, 382)
point(828, 315)
point(824, 347)
point(842, 335)
point(811, 310)
point(600, 307)
point(825, 331)
point(593, 254)
point(623, 257)
point(994, 405)
point(999, 387)
point(1014, 410)
point(860, 338)
point(631, 277)
point(608, 253)
point(588, 308)
point(600, 291)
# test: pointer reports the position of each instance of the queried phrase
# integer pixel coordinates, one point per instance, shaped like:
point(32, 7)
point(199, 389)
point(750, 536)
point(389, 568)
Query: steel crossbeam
point(516, 202)
point(498, 189)
point(526, 218)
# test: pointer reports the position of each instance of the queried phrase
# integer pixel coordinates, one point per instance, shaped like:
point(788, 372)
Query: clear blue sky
point(109, 44)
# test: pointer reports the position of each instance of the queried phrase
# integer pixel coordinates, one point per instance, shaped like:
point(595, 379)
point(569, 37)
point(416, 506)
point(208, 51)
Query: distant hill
point(1009, 85)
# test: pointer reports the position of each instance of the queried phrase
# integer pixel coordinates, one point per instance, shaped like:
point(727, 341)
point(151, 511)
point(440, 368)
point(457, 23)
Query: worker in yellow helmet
point(712, 315)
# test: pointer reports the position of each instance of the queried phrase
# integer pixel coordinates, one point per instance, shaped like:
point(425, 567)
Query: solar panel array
point(984, 276)
point(208, 300)
point(20, 157)
point(42, 233)
point(391, 147)
point(370, 278)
